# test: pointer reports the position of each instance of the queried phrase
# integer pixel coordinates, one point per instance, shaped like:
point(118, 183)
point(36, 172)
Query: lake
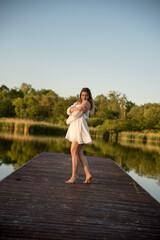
point(138, 159)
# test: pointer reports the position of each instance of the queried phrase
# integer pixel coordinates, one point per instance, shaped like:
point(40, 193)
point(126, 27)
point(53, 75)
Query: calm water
point(140, 161)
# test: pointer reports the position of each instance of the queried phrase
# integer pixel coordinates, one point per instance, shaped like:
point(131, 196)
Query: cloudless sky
point(64, 45)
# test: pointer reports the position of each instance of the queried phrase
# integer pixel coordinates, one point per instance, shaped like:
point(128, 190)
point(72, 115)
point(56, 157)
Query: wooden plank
point(35, 202)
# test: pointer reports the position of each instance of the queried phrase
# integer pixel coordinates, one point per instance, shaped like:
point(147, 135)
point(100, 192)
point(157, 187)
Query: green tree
point(114, 105)
point(19, 108)
point(152, 116)
point(6, 108)
point(129, 105)
point(14, 93)
point(44, 108)
point(3, 92)
point(25, 88)
point(31, 107)
point(101, 106)
point(94, 121)
point(135, 118)
point(59, 113)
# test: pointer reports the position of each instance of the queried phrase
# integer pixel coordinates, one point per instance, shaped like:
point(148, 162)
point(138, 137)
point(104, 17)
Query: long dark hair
point(90, 99)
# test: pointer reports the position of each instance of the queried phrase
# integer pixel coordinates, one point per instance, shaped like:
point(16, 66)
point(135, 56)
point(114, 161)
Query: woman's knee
point(73, 151)
point(80, 153)
point(74, 148)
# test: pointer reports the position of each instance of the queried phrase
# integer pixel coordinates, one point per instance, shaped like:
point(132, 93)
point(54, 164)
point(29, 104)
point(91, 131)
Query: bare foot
point(72, 180)
point(88, 179)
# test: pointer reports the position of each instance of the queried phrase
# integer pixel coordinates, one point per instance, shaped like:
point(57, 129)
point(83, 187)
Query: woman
point(78, 133)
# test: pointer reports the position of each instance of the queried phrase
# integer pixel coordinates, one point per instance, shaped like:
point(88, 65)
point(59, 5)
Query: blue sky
point(64, 45)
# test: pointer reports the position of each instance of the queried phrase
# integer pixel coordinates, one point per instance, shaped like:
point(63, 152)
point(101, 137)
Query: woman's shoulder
point(86, 103)
point(78, 103)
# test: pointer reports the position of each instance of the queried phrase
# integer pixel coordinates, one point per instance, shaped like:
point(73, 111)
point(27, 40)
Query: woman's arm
point(75, 109)
point(77, 112)
point(72, 106)
point(84, 107)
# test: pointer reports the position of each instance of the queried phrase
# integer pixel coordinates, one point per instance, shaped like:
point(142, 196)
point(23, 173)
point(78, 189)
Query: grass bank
point(30, 127)
point(140, 136)
point(25, 127)
point(123, 136)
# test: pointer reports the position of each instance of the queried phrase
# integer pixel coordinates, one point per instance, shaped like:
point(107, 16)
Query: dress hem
point(78, 142)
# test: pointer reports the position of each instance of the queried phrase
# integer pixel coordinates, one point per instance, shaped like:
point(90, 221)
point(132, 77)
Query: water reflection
point(142, 159)
point(19, 149)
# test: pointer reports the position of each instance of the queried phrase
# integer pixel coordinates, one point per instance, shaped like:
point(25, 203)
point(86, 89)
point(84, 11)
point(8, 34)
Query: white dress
point(78, 130)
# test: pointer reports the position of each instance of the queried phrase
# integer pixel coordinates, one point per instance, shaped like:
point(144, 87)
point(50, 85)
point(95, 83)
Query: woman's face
point(84, 96)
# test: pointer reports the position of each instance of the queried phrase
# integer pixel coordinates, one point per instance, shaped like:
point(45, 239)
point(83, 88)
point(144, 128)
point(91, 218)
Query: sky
point(65, 45)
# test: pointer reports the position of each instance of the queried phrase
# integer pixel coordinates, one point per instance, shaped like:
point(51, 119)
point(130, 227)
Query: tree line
point(113, 112)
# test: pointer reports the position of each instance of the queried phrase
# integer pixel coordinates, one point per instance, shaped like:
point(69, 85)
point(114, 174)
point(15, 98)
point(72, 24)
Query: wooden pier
point(35, 203)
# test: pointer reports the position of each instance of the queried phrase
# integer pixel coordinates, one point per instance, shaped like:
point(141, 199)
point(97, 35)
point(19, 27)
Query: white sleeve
point(86, 115)
point(77, 114)
point(68, 110)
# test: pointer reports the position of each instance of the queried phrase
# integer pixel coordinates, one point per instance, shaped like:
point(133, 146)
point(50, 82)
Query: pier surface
point(35, 202)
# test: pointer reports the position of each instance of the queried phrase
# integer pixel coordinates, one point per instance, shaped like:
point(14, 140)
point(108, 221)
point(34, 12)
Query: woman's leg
point(74, 153)
point(84, 163)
